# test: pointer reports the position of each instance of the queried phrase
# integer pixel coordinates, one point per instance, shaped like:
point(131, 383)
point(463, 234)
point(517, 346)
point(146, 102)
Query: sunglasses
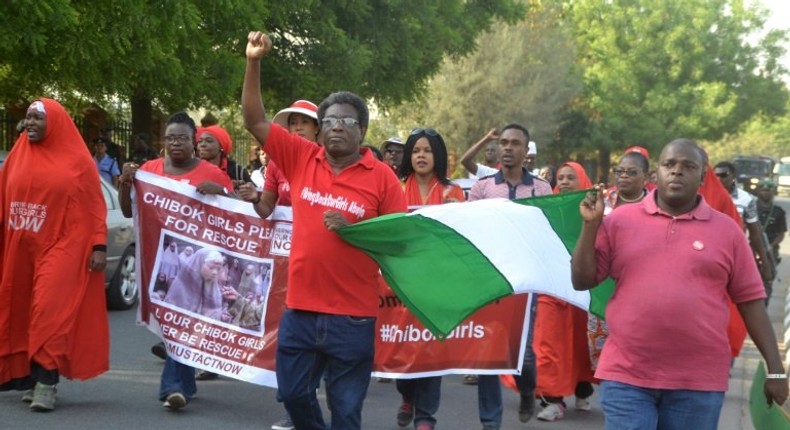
point(331, 121)
point(723, 174)
point(427, 131)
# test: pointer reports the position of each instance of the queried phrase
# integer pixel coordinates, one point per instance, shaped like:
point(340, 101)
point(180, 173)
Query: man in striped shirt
point(512, 181)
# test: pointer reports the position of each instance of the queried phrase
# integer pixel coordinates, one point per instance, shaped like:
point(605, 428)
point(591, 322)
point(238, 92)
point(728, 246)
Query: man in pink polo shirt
point(332, 298)
point(675, 262)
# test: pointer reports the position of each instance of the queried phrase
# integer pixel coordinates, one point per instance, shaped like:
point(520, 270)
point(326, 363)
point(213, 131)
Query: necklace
point(622, 197)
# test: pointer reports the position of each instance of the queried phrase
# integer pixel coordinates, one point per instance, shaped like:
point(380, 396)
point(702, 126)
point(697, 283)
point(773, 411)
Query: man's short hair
point(517, 127)
point(346, 98)
point(726, 165)
point(100, 140)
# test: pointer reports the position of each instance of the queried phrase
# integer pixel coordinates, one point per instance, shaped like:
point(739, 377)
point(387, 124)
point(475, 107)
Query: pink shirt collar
point(701, 211)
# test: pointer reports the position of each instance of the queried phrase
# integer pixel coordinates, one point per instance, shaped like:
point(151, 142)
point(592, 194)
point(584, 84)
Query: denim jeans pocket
point(360, 321)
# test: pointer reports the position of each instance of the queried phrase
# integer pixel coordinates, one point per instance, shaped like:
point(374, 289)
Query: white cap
point(532, 148)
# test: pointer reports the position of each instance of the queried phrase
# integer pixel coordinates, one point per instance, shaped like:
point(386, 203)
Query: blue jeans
point(489, 389)
point(310, 343)
point(527, 381)
point(627, 407)
point(177, 378)
point(424, 394)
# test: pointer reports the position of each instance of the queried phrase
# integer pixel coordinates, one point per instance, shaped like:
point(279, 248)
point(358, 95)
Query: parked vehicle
point(782, 173)
point(120, 276)
point(752, 169)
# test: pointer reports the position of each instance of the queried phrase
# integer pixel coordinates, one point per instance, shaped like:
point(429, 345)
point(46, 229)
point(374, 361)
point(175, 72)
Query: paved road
point(125, 397)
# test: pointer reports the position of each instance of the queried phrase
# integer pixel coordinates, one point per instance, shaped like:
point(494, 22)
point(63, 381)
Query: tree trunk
point(142, 112)
point(603, 166)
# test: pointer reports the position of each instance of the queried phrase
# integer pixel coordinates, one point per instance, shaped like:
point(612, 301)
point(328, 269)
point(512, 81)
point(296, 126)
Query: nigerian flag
point(447, 261)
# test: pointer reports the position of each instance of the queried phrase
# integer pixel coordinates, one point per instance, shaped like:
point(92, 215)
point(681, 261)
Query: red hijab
point(225, 142)
point(59, 315)
point(584, 180)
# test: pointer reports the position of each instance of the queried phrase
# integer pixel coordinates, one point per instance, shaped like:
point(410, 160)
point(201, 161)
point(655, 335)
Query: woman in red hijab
point(563, 359)
point(53, 319)
point(215, 146)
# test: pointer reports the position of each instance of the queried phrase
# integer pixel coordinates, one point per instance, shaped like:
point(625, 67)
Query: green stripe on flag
point(442, 280)
point(562, 211)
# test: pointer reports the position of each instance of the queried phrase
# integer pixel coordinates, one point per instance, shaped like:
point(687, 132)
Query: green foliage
point(189, 53)
point(654, 71)
point(521, 73)
point(762, 135)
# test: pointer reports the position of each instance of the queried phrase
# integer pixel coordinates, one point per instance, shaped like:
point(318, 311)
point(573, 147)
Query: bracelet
point(776, 376)
point(256, 201)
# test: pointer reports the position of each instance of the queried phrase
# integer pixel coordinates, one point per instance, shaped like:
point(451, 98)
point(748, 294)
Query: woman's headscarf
point(57, 175)
point(224, 140)
point(584, 180)
point(246, 283)
point(188, 291)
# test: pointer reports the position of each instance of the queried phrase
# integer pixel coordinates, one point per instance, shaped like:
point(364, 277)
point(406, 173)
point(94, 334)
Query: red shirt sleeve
point(394, 200)
point(288, 151)
point(270, 178)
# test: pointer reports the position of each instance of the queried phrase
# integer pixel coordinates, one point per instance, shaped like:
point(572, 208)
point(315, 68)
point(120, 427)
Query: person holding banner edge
point(177, 384)
point(332, 295)
point(300, 118)
point(670, 368)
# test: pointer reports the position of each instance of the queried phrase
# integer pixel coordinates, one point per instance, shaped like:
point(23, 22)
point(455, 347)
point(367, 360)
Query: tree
point(189, 53)
point(654, 71)
point(521, 73)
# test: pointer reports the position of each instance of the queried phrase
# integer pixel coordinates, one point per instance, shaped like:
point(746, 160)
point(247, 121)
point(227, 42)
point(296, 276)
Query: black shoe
point(204, 375)
point(526, 408)
point(159, 350)
point(405, 414)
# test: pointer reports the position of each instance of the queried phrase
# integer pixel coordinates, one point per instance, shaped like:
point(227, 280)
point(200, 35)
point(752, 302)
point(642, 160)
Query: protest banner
point(213, 278)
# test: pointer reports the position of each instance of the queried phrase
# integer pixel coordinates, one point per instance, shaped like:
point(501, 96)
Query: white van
point(782, 175)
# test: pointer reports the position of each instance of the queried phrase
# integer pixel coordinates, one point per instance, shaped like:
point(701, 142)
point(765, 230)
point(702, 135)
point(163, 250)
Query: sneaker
point(470, 379)
point(526, 409)
point(583, 404)
point(405, 414)
point(552, 412)
point(43, 398)
point(424, 426)
point(175, 401)
point(27, 396)
point(205, 375)
point(159, 350)
point(283, 424)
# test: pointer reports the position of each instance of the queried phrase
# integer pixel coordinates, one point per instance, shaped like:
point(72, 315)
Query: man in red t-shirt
point(676, 263)
point(332, 297)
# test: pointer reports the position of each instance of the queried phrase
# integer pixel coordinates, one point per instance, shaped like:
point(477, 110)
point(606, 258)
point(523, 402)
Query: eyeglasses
point(331, 121)
point(428, 131)
point(629, 172)
point(723, 174)
point(180, 138)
